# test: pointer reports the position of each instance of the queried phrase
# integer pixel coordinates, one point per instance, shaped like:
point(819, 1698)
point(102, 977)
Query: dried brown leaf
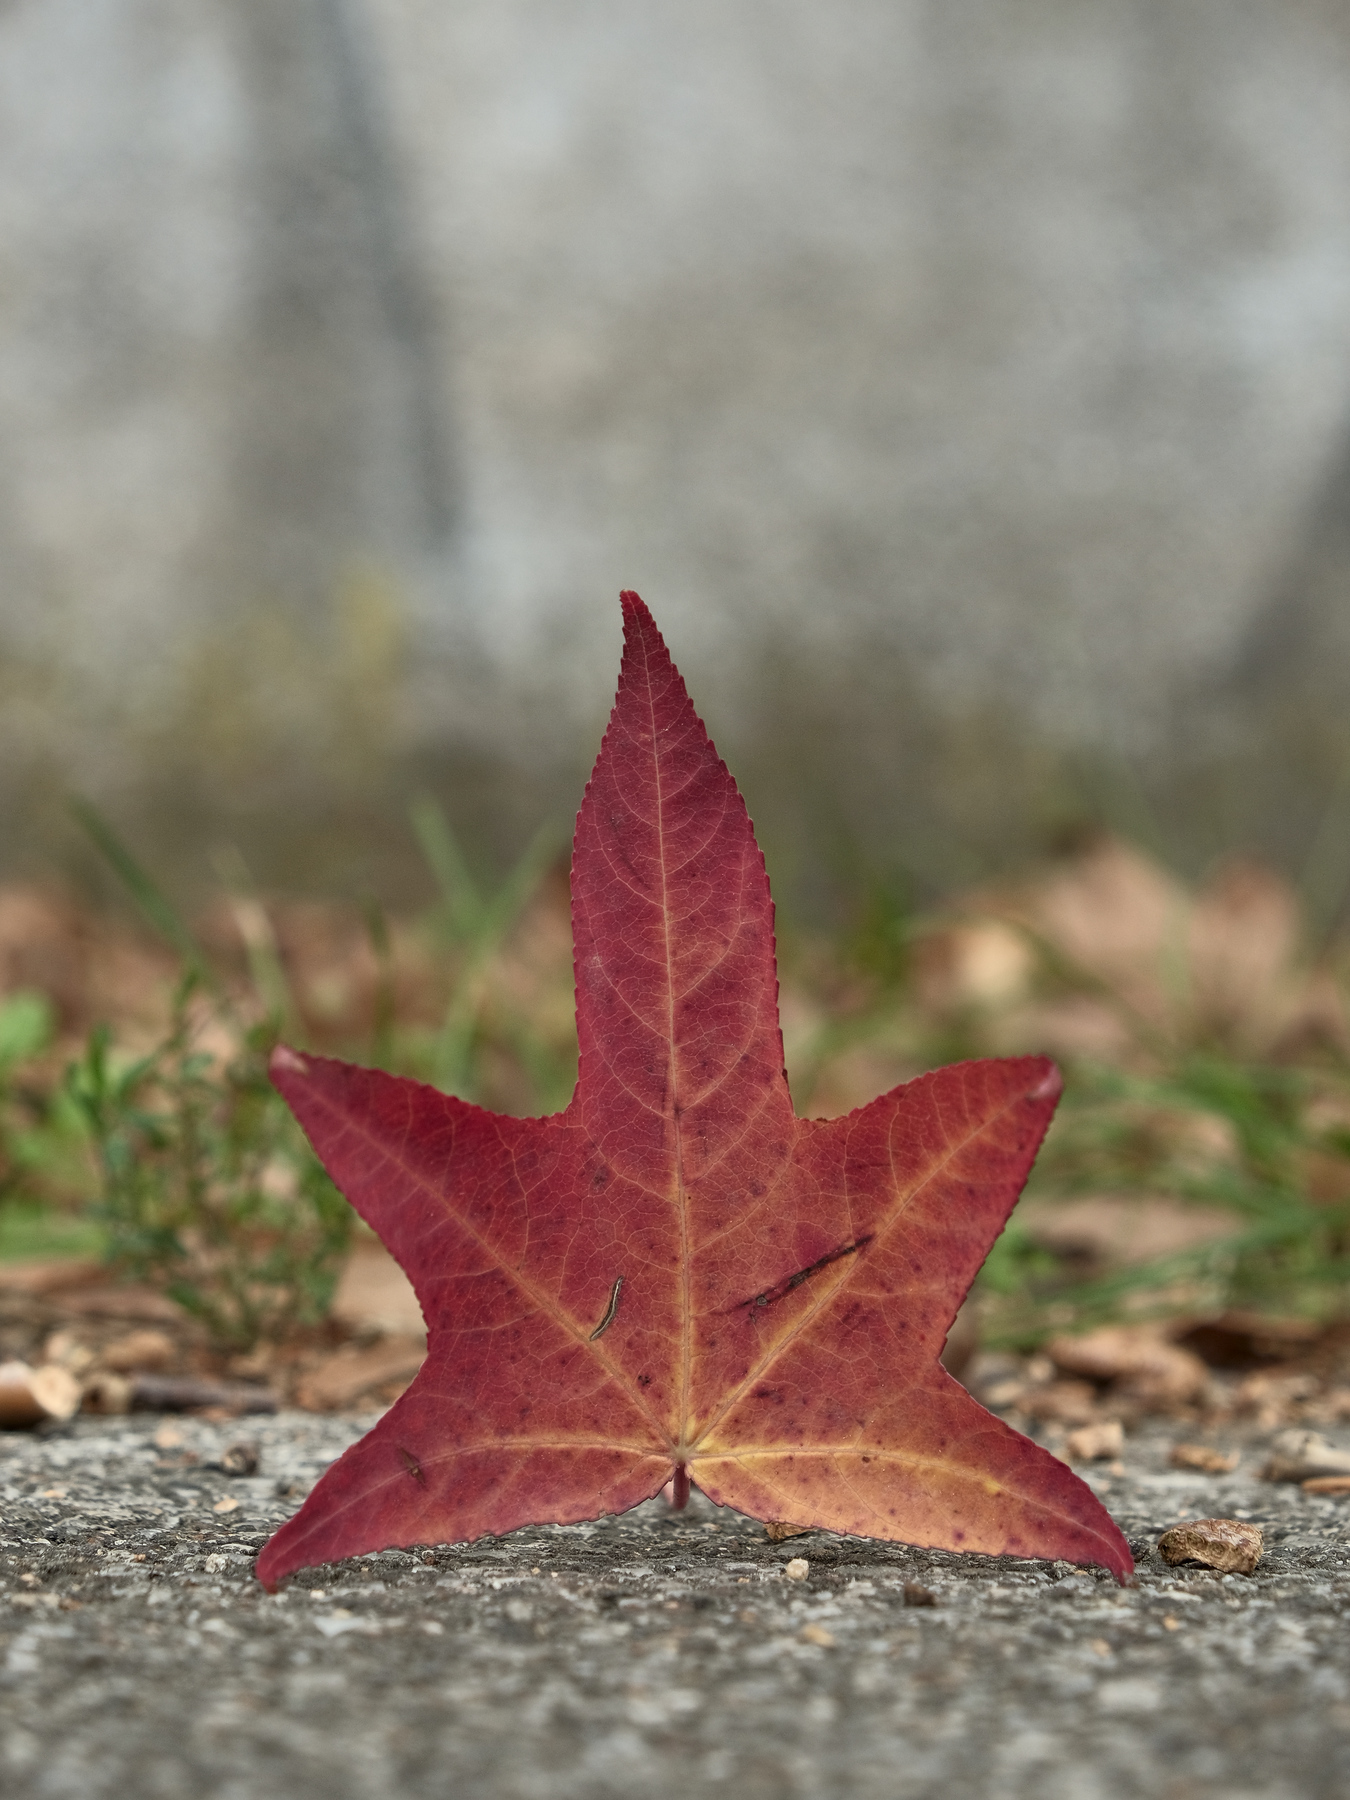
point(1304, 1455)
point(350, 1372)
point(1204, 1459)
point(1229, 1545)
point(1137, 1357)
point(1096, 1443)
point(31, 1396)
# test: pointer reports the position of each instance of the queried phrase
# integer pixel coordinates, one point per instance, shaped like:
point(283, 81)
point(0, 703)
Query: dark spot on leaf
point(781, 1289)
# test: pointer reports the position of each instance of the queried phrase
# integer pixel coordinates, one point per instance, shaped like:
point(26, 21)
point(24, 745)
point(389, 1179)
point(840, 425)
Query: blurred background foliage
point(967, 395)
point(1200, 1161)
point(967, 392)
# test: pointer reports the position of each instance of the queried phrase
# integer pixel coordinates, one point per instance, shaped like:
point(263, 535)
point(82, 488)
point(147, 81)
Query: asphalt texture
point(655, 1654)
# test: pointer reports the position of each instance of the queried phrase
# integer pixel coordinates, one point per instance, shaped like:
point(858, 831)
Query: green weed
point(43, 1167)
point(1189, 1114)
point(1282, 1174)
point(185, 1166)
point(207, 1186)
point(480, 1025)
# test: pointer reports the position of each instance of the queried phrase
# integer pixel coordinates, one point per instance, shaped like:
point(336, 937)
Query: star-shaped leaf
point(676, 1279)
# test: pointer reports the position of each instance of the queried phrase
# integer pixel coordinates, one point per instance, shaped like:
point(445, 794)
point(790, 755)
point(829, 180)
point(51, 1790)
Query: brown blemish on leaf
point(782, 1289)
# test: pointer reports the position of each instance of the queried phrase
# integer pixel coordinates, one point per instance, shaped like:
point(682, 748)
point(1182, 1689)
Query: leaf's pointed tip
point(1114, 1553)
point(269, 1568)
point(638, 621)
point(279, 1558)
point(1123, 1570)
point(284, 1061)
point(1050, 1086)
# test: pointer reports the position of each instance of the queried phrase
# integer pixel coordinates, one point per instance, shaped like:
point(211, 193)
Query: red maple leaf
point(676, 1278)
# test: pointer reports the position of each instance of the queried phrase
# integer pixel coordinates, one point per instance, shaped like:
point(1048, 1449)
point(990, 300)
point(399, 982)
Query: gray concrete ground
point(653, 1654)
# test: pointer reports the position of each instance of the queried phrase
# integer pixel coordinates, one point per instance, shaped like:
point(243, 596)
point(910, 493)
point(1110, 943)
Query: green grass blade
point(138, 884)
point(459, 893)
point(515, 893)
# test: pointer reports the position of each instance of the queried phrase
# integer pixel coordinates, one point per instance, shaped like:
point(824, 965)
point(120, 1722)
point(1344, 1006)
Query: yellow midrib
point(681, 1194)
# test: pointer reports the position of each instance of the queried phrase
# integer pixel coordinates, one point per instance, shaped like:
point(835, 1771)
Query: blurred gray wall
point(966, 386)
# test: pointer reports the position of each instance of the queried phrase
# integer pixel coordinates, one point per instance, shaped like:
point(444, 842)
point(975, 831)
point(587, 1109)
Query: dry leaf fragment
point(1203, 1458)
point(798, 1569)
point(1270, 1397)
point(1061, 1403)
point(1116, 915)
point(29, 1396)
point(1302, 1456)
point(49, 1275)
point(916, 1594)
point(1119, 1229)
point(1335, 1485)
point(226, 1505)
point(817, 1634)
point(1236, 1340)
point(1171, 1622)
point(144, 1349)
point(1096, 1443)
point(1243, 936)
point(1004, 1394)
point(1225, 1544)
point(57, 1391)
point(67, 1348)
point(985, 964)
point(342, 1378)
point(122, 1300)
point(190, 1393)
point(778, 1531)
point(373, 1294)
point(1138, 1357)
point(107, 1393)
point(963, 1340)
